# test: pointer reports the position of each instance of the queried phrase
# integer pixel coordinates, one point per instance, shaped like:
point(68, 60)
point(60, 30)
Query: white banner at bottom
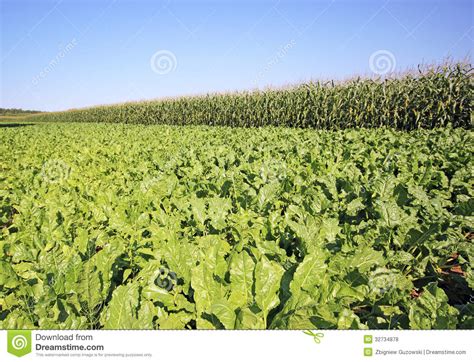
point(134, 345)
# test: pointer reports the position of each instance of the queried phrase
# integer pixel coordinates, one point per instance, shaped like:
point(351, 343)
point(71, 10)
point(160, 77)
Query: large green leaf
point(309, 274)
point(225, 312)
point(121, 312)
point(431, 310)
point(267, 283)
point(241, 277)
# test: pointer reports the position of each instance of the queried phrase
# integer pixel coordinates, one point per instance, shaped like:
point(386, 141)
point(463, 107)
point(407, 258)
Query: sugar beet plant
point(130, 226)
point(432, 97)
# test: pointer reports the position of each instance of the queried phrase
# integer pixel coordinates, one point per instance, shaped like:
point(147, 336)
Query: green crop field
point(179, 227)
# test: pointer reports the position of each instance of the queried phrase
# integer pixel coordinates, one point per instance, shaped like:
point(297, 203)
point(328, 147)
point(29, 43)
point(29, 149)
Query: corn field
point(434, 96)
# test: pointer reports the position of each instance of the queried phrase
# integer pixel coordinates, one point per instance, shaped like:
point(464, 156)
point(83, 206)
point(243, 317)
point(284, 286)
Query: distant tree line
point(15, 111)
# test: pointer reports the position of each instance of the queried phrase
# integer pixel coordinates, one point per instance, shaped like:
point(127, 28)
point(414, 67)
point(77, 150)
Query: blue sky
point(65, 54)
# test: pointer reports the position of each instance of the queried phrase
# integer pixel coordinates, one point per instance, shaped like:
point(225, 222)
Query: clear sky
point(65, 54)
